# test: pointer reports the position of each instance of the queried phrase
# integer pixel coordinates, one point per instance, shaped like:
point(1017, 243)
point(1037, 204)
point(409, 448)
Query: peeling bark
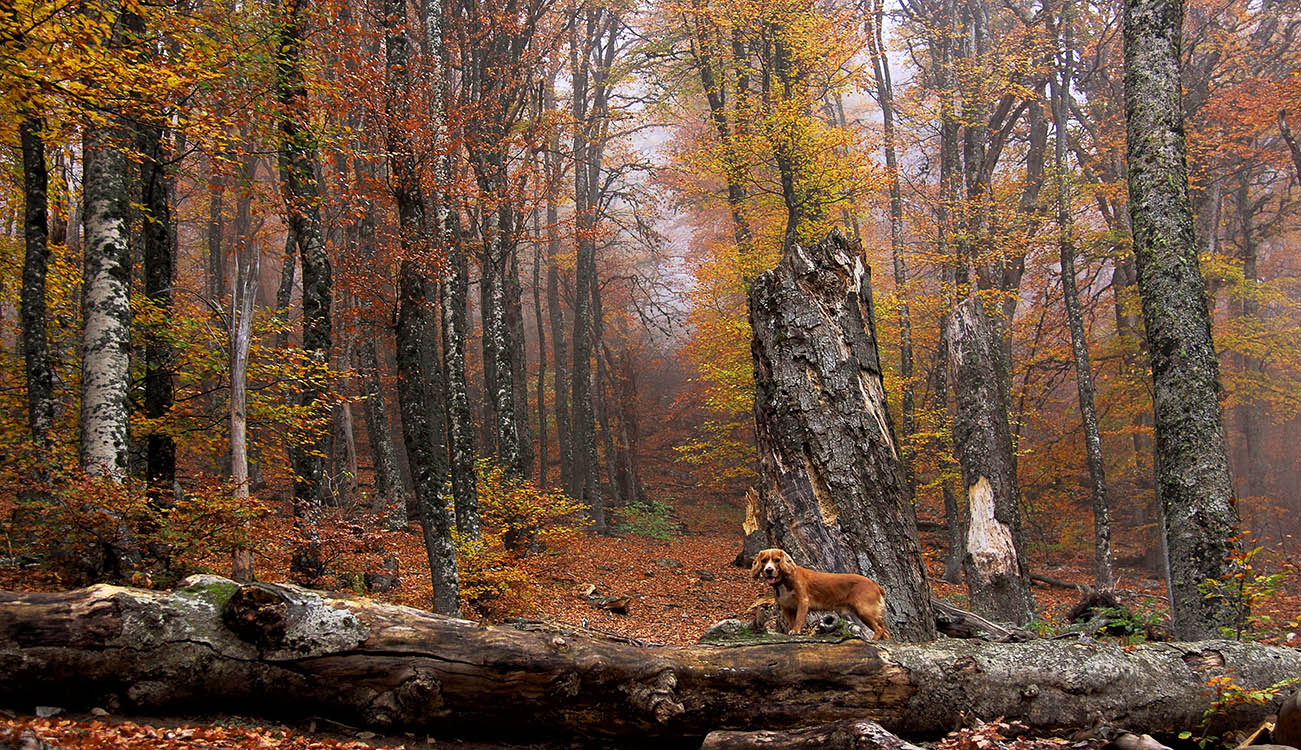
point(832, 489)
point(284, 652)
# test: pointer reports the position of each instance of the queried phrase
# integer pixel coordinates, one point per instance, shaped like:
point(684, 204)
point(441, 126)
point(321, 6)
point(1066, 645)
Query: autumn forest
point(324, 291)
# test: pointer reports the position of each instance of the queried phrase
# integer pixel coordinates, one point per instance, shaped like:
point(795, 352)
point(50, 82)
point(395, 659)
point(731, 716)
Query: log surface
point(284, 652)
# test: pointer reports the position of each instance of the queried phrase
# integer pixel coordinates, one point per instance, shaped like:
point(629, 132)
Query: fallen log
point(287, 653)
point(839, 735)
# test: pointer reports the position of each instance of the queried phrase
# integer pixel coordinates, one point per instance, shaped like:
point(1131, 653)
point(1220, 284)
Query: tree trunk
point(241, 338)
point(832, 491)
point(390, 492)
point(284, 652)
point(36, 260)
point(285, 290)
point(413, 326)
point(1103, 577)
point(452, 288)
point(105, 311)
point(997, 578)
point(216, 259)
point(1250, 417)
point(1192, 472)
point(556, 313)
point(518, 360)
point(460, 421)
point(302, 196)
point(159, 254)
point(542, 352)
point(885, 98)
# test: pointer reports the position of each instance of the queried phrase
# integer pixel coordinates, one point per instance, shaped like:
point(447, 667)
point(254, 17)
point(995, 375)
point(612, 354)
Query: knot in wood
point(559, 645)
point(419, 694)
point(657, 696)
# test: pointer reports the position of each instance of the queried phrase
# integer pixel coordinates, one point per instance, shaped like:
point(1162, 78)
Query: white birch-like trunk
point(105, 313)
point(241, 338)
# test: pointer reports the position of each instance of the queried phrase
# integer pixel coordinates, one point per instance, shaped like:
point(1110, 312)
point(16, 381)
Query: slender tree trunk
point(413, 323)
point(559, 342)
point(159, 234)
point(1192, 472)
point(431, 368)
point(1249, 417)
point(302, 195)
point(285, 290)
point(216, 267)
point(998, 580)
point(518, 359)
point(460, 421)
point(542, 352)
point(390, 491)
point(1103, 576)
point(885, 98)
point(241, 308)
point(36, 260)
point(953, 269)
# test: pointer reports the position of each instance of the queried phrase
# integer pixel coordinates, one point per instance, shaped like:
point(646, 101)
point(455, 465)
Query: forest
point(547, 315)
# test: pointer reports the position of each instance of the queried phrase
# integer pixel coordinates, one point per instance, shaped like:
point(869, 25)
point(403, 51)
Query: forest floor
point(672, 589)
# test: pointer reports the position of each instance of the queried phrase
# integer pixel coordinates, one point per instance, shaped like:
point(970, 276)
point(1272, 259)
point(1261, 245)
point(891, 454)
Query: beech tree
point(302, 196)
point(1199, 516)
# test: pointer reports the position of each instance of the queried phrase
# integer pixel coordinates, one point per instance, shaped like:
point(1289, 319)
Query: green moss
point(218, 592)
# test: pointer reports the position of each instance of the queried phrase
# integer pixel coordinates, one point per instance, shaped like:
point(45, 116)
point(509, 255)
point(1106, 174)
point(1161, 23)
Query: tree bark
point(414, 324)
point(452, 297)
point(241, 338)
point(1200, 517)
point(390, 500)
point(284, 652)
point(556, 313)
point(885, 98)
point(1103, 576)
point(105, 312)
point(848, 734)
point(36, 260)
point(832, 490)
point(302, 196)
point(159, 254)
point(997, 578)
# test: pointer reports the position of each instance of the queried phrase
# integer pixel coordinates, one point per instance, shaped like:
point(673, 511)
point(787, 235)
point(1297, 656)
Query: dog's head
point(772, 566)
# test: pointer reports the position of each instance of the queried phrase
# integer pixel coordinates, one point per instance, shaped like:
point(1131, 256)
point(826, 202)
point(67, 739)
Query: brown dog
point(798, 590)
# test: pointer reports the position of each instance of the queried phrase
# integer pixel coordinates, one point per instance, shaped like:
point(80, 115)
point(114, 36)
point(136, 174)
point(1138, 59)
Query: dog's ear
point(757, 566)
point(786, 564)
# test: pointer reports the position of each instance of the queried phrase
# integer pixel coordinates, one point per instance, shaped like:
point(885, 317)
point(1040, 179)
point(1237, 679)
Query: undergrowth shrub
point(88, 529)
point(518, 519)
point(649, 518)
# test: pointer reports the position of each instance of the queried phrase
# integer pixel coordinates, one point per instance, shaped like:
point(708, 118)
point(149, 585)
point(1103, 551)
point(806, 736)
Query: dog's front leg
point(801, 614)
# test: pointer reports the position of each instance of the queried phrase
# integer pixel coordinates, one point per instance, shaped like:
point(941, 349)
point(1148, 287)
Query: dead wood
point(288, 653)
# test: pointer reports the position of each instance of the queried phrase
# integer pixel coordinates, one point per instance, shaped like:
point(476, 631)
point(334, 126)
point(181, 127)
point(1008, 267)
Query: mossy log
point(288, 653)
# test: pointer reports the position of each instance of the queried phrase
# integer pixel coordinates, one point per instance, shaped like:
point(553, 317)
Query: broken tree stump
point(287, 653)
point(832, 490)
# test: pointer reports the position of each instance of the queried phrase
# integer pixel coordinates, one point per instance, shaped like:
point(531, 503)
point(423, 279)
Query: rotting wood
point(285, 652)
